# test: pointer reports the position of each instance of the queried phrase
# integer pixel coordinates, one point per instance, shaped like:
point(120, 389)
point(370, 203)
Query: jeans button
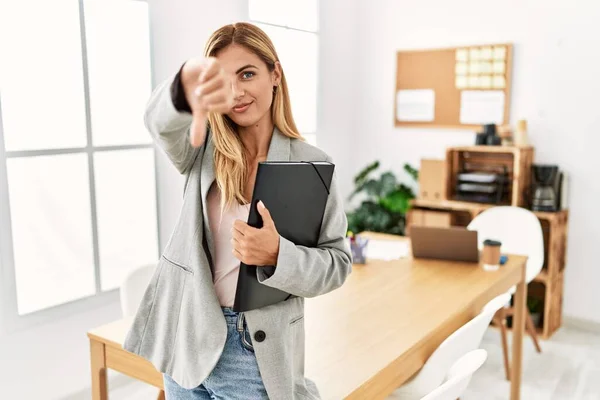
point(260, 336)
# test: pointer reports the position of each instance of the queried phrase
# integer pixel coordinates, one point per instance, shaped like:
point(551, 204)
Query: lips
point(240, 108)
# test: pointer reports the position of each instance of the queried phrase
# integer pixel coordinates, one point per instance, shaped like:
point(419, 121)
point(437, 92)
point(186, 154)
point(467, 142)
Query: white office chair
point(133, 287)
point(520, 232)
point(465, 339)
point(518, 229)
point(459, 376)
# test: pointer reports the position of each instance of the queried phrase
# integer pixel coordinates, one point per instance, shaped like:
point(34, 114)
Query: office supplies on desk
point(358, 247)
point(454, 244)
point(295, 193)
point(386, 250)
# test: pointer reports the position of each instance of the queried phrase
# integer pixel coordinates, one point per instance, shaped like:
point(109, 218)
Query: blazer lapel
point(279, 150)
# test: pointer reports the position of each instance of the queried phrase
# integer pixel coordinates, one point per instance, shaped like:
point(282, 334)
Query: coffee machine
point(546, 185)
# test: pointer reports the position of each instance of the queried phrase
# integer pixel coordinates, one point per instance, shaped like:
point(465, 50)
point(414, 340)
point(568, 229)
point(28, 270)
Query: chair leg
point(532, 331)
point(161, 395)
point(501, 321)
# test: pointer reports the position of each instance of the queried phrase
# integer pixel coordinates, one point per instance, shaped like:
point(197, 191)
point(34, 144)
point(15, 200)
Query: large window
point(78, 206)
point(293, 28)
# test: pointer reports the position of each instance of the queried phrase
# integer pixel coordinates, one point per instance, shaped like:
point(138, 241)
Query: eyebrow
point(244, 67)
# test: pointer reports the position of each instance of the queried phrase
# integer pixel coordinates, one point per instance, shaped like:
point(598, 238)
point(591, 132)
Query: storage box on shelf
point(435, 219)
point(503, 174)
point(548, 285)
point(432, 179)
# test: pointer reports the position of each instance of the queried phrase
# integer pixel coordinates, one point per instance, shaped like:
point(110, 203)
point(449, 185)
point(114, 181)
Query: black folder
point(295, 193)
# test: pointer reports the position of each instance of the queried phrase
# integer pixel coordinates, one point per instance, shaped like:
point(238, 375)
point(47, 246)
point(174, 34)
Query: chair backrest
point(518, 229)
point(133, 287)
point(459, 376)
point(465, 339)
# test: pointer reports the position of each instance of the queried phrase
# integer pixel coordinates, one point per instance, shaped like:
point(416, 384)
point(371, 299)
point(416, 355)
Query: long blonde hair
point(231, 171)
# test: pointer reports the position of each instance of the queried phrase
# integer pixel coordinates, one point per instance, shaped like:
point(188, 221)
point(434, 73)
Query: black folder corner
point(295, 193)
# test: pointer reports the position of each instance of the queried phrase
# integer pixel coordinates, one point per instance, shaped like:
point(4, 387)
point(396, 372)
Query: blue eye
point(247, 74)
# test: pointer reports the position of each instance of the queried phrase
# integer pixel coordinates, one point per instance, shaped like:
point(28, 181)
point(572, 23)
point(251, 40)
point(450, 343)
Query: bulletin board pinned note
point(438, 88)
point(482, 107)
point(415, 105)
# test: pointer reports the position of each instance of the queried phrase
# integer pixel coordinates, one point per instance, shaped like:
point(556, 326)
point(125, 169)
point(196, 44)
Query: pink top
point(226, 266)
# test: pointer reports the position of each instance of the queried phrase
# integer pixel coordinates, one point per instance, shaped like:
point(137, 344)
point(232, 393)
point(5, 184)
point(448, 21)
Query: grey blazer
point(179, 326)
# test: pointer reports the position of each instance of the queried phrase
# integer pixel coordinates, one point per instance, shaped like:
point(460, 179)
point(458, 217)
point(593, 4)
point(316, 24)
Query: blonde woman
point(216, 119)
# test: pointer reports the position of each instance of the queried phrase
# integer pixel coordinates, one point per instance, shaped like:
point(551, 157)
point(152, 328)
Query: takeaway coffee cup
point(491, 255)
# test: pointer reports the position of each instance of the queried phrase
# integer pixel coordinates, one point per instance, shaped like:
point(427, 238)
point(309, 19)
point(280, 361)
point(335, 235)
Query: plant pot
point(537, 319)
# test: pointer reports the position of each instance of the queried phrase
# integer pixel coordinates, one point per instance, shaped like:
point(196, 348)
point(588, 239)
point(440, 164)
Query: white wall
point(51, 361)
point(555, 87)
point(337, 95)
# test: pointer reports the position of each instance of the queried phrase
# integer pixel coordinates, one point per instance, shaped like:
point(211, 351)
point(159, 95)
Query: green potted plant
point(386, 203)
point(535, 309)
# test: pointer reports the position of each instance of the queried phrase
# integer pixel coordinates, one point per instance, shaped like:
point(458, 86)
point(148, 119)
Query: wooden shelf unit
point(539, 330)
point(515, 161)
point(548, 285)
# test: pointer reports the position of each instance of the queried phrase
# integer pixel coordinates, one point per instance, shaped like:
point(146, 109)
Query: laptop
point(453, 244)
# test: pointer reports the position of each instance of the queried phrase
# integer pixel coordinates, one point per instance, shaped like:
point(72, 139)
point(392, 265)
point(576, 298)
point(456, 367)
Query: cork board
point(446, 79)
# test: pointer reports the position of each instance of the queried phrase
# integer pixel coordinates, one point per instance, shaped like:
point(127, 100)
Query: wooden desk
point(106, 351)
point(371, 335)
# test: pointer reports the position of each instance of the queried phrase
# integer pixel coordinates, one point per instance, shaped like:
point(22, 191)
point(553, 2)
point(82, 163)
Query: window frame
point(316, 32)
point(10, 320)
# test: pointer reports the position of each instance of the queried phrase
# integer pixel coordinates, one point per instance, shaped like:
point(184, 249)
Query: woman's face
point(252, 83)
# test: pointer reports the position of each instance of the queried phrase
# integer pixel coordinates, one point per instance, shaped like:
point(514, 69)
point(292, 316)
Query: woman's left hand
point(254, 246)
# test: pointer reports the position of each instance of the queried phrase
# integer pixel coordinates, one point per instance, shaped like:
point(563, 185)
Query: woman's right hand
point(207, 89)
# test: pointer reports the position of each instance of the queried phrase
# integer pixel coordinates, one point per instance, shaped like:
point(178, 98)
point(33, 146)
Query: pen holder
point(358, 246)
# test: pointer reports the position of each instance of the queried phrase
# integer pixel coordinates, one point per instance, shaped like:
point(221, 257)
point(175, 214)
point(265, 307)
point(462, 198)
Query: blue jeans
point(236, 375)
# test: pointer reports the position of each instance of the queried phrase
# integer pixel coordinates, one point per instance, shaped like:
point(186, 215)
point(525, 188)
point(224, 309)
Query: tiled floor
point(568, 369)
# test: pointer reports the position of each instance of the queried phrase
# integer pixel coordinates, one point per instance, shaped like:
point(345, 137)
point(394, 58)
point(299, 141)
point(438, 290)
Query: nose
point(238, 91)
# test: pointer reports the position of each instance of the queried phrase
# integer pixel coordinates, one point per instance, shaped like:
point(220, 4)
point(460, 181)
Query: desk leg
point(518, 331)
point(98, 358)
